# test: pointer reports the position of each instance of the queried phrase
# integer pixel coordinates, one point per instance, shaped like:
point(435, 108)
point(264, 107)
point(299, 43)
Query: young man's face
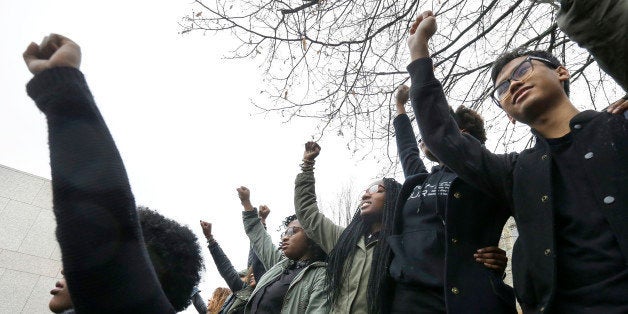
point(528, 98)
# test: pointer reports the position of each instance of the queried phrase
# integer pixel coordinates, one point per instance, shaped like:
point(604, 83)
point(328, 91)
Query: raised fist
point(403, 94)
point(263, 212)
point(312, 149)
point(420, 33)
point(54, 51)
point(207, 229)
point(244, 194)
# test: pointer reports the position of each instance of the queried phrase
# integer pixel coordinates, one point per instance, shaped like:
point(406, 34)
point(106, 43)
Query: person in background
point(166, 241)
point(218, 299)
point(295, 280)
point(442, 224)
point(241, 284)
point(108, 266)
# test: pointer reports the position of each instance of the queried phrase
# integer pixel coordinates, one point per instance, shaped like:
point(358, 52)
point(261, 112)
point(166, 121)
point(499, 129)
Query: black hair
point(317, 252)
point(469, 120)
point(341, 257)
point(175, 254)
point(288, 220)
point(503, 59)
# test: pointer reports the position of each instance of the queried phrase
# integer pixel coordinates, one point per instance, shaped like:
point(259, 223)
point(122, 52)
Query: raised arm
point(106, 264)
point(223, 264)
point(261, 241)
point(407, 147)
point(254, 261)
point(317, 227)
point(462, 153)
point(600, 27)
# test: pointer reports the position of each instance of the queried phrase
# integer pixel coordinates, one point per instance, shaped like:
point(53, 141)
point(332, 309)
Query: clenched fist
point(54, 51)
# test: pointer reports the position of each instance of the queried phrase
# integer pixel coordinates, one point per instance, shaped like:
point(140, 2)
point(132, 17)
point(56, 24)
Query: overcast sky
point(179, 113)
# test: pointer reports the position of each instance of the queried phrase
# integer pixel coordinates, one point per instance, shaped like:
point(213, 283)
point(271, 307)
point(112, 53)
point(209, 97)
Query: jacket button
point(548, 252)
point(454, 240)
point(588, 155)
point(544, 157)
point(455, 290)
point(544, 198)
point(609, 200)
point(457, 195)
point(577, 126)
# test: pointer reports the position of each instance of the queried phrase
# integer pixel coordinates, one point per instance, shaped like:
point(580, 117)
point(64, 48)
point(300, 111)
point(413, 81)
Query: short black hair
point(175, 254)
point(471, 121)
point(503, 59)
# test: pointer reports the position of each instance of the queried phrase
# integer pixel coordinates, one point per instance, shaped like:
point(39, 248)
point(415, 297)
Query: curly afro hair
point(175, 254)
point(288, 220)
point(470, 121)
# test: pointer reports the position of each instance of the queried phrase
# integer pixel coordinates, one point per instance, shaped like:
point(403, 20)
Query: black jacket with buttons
point(524, 181)
point(473, 220)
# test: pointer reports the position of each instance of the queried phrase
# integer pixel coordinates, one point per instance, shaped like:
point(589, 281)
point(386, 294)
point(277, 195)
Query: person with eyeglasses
point(446, 232)
point(356, 280)
point(568, 193)
point(295, 278)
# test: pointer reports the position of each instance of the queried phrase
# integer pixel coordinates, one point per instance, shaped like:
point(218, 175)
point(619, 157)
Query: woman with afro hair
point(356, 278)
point(295, 280)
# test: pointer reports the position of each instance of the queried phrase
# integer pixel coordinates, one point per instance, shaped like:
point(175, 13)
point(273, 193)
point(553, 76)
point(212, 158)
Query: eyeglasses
point(521, 72)
point(375, 188)
point(291, 231)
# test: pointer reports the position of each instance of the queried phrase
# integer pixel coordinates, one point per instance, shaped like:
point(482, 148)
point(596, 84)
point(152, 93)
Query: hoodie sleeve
point(407, 147)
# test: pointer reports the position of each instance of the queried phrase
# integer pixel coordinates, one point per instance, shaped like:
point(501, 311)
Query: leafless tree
point(342, 207)
point(339, 62)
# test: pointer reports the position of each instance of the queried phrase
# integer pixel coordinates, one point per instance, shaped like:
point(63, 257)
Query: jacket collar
point(577, 122)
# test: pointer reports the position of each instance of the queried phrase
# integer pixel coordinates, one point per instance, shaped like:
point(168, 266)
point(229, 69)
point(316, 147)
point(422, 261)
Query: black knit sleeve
point(106, 264)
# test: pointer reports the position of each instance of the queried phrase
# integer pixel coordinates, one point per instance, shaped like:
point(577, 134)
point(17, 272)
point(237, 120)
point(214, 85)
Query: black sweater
point(106, 264)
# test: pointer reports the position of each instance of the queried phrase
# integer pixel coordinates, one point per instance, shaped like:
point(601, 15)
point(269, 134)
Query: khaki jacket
point(307, 292)
point(325, 233)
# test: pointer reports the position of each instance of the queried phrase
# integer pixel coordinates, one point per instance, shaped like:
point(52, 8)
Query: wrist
point(421, 51)
point(307, 165)
point(247, 205)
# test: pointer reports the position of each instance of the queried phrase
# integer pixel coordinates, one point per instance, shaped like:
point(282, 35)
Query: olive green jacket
point(599, 26)
point(306, 293)
point(241, 298)
point(324, 232)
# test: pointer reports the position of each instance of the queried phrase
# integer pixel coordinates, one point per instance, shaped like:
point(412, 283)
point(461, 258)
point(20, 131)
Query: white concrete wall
point(30, 261)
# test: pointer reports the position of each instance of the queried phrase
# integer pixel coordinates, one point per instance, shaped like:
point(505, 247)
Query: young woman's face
point(294, 242)
point(60, 297)
point(373, 201)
